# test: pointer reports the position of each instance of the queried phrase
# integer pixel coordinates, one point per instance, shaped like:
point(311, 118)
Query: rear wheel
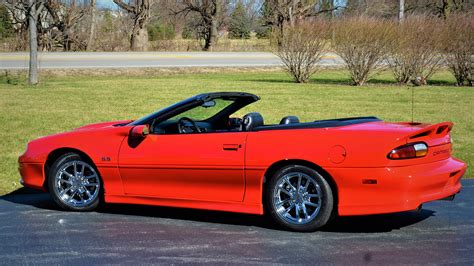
point(74, 183)
point(298, 198)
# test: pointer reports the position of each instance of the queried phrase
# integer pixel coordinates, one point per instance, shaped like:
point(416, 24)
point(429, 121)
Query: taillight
point(412, 150)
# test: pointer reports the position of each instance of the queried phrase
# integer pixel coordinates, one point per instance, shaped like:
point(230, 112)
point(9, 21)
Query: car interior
point(215, 115)
point(186, 125)
point(218, 121)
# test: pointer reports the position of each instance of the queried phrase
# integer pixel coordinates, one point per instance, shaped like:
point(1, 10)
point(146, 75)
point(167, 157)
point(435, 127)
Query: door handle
point(231, 147)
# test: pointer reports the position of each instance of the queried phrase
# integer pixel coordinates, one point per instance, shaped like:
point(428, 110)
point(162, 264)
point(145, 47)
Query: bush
point(416, 52)
point(300, 48)
point(159, 31)
point(363, 44)
point(459, 48)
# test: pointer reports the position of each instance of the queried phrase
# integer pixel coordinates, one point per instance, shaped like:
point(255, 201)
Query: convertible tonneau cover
point(322, 123)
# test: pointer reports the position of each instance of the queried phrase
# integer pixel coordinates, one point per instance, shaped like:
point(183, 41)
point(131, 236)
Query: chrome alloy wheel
point(297, 198)
point(77, 184)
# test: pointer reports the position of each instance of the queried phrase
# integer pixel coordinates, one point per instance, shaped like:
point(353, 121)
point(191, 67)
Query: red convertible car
point(194, 154)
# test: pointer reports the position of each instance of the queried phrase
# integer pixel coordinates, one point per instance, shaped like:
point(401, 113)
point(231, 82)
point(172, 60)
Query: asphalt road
point(149, 59)
point(33, 231)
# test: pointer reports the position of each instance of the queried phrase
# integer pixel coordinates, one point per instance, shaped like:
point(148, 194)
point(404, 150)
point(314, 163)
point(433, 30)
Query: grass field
point(63, 103)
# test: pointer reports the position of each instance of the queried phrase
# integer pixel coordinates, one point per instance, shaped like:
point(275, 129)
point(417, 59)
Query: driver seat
point(251, 121)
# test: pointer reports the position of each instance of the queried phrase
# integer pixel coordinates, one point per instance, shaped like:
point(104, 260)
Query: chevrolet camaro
point(198, 154)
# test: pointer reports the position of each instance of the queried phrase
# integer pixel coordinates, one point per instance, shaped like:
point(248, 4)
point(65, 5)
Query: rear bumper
point(394, 189)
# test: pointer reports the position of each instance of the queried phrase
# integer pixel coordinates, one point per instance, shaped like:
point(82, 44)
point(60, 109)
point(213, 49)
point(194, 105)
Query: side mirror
point(140, 131)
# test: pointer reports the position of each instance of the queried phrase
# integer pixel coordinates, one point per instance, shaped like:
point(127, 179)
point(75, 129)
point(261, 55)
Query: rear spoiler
point(433, 131)
point(435, 134)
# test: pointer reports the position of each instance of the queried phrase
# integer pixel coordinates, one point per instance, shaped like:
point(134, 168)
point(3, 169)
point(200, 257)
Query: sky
point(106, 4)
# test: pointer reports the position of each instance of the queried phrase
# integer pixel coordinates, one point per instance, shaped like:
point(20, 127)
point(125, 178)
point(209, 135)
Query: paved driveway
point(32, 231)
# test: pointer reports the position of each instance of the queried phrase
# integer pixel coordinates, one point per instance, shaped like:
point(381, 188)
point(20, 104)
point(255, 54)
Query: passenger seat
point(291, 119)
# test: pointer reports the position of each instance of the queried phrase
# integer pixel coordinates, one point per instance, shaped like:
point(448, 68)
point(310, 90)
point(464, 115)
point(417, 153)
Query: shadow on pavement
point(378, 223)
point(354, 224)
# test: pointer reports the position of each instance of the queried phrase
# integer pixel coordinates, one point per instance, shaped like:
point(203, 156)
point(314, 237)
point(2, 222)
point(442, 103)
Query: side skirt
point(183, 203)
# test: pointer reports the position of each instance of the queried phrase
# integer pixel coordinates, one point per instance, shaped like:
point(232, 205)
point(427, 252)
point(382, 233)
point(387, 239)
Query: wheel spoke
point(313, 195)
point(286, 192)
point(91, 176)
point(287, 210)
point(306, 185)
point(91, 184)
point(72, 195)
point(68, 174)
point(89, 195)
point(299, 182)
point(305, 212)
point(64, 192)
point(310, 204)
point(283, 202)
point(297, 211)
point(75, 169)
point(287, 180)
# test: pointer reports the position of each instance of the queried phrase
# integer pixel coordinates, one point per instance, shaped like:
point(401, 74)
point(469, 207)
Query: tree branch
point(125, 6)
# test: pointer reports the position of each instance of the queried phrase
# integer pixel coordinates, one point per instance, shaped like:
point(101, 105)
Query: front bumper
point(396, 189)
point(32, 175)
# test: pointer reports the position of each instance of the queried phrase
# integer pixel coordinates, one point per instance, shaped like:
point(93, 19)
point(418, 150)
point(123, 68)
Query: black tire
point(58, 165)
point(325, 199)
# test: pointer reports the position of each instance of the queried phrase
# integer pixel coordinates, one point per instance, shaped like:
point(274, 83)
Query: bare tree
point(280, 12)
point(33, 11)
point(363, 44)
point(65, 15)
point(301, 47)
point(140, 12)
point(28, 12)
point(208, 11)
point(90, 41)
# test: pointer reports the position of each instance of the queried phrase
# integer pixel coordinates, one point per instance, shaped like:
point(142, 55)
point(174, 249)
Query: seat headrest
point(291, 119)
point(251, 121)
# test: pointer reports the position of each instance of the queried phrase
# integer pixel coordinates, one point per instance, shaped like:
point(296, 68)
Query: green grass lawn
point(63, 103)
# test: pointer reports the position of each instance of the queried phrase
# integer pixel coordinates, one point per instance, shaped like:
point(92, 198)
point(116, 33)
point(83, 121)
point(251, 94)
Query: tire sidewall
point(52, 179)
point(326, 211)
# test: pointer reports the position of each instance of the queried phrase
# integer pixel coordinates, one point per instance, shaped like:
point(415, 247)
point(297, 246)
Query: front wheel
point(298, 198)
point(74, 184)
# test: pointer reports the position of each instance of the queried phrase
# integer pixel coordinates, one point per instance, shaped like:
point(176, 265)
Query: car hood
point(103, 124)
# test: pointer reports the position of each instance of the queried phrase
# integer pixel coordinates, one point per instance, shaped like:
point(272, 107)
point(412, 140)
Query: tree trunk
point(90, 42)
point(33, 65)
point(66, 41)
point(445, 8)
point(211, 35)
point(401, 10)
point(139, 39)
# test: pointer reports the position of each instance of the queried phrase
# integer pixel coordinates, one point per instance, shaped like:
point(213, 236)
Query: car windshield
point(205, 111)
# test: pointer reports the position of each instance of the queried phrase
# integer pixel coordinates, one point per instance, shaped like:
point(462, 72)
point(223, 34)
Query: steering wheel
point(184, 128)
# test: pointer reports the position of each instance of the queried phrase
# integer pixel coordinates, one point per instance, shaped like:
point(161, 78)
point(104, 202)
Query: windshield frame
point(241, 100)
